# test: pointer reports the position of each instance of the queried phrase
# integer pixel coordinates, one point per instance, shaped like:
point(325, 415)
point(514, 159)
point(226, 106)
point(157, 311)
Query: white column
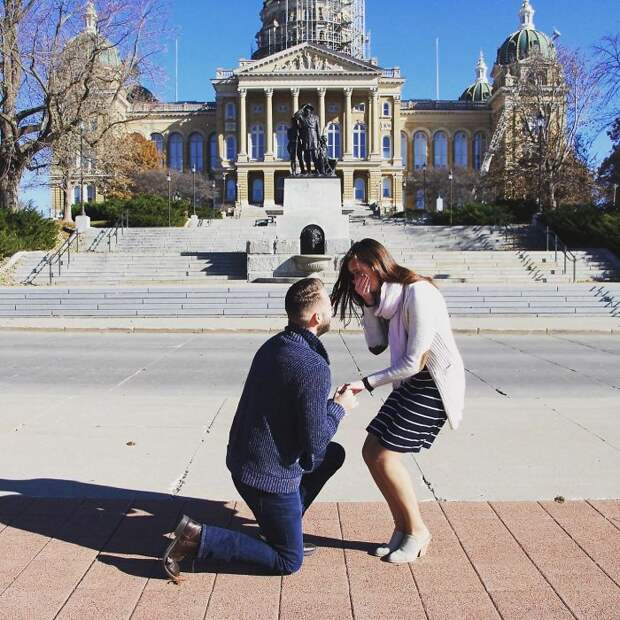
point(321, 92)
point(269, 129)
point(376, 141)
point(396, 127)
point(295, 95)
point(348, 122)
point(243, 128)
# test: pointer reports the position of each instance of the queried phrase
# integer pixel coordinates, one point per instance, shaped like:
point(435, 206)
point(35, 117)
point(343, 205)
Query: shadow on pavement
point(127, 527)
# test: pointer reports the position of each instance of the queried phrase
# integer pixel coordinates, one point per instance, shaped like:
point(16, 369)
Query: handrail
point(55, 258)
point(568, 255)
point(122, 223)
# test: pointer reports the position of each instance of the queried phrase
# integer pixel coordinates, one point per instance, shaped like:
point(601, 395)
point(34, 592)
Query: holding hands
point(345, 397)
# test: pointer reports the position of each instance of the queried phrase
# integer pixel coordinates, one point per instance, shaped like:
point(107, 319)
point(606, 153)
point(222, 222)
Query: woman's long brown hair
point(374, 255)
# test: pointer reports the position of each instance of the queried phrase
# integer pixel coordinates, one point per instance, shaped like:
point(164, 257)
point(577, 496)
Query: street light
point(194, 188)
point(82, 167)
point(451, 179)
point(615, 195)
point(213, 193)
point(540, 124)
point(169, 179)
point(424, 182)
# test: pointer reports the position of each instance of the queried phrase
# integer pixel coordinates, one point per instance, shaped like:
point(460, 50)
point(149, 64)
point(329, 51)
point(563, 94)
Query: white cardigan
point(427, 324)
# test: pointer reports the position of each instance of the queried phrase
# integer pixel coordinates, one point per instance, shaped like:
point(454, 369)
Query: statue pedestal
point(309, 202)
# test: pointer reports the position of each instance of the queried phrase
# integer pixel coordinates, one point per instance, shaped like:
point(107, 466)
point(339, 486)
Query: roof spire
point(481, 69)
point(526, 15)
point(90, 18)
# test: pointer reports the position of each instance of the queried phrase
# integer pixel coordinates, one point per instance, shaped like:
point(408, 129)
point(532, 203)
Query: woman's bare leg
point(395, 484)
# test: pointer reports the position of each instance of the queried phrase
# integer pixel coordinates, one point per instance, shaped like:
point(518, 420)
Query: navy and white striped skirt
point(412, 415)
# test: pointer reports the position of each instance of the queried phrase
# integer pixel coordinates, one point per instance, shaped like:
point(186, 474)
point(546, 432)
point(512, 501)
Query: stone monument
point(312, 231)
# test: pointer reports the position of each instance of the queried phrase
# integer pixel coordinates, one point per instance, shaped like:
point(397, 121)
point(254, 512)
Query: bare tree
point(556, 117)
point(607, 69)
point(55, 72)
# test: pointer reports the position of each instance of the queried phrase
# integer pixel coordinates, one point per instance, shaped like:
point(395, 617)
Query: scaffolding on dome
point(339, 25)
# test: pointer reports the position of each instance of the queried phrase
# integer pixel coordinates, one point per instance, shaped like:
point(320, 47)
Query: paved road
point(109, 415)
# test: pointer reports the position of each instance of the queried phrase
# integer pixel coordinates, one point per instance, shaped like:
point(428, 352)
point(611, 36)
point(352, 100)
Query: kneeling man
point(280, 452)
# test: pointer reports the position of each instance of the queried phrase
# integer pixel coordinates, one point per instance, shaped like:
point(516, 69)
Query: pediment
point(307, 59)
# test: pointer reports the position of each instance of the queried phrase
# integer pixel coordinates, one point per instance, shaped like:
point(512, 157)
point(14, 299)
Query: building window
point(257, 143)
point(387, 147)
point(333, 108)
point(196, 152)
point(231, 190)
point(359, 141)
point(231, 148)
point(386, 109)
point(282, 141)
point(158, 141)
point(333, 141)
point(77, 194)
point(214, 156)
point(257, 191)
point(440, 150)
point(360, 189)
point(231, 111)
point(404, 149)
point(387, 187)
point(283, 108)
point(258, 108)
point(91, 193)
point(175, 151)
point(420, 150)
point(359, 107)
point(460, 149)
point(480, 147)
point(420, 200)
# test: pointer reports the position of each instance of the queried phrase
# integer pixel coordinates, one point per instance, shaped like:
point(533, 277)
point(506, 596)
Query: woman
point(406, 312)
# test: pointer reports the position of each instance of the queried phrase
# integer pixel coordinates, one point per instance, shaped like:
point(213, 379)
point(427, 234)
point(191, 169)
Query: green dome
point(477, 93)
point(85, 43)
point(523, 44)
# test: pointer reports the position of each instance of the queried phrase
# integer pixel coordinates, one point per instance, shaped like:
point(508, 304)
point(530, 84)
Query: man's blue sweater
point(285, 418)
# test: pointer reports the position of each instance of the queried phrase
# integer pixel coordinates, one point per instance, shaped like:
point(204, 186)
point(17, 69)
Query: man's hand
point(356, 386)
point(345, 397)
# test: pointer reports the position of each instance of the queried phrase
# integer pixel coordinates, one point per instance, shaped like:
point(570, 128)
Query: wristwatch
point(367, 385)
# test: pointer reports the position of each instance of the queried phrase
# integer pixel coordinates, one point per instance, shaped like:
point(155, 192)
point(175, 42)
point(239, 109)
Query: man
point(309, 131)
point(280, 452)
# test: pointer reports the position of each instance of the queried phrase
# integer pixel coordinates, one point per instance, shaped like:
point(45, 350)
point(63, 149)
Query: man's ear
point(315, 319)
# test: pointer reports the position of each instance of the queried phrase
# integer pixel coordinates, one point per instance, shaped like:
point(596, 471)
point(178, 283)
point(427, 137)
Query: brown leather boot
point(186, 542)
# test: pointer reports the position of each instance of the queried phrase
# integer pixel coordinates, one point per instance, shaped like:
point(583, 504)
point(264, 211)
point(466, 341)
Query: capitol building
point(314, 51)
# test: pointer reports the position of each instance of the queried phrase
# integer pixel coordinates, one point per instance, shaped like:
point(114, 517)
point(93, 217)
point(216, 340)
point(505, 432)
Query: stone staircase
point(268, 300)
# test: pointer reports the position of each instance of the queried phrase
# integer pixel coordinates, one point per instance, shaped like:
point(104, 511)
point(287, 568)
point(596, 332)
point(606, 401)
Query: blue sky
point(212, 34)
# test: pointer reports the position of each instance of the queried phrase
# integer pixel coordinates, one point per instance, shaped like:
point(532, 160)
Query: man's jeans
point(279, 516)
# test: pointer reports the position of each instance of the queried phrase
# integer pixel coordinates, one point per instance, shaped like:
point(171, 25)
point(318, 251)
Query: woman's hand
point(362, 288)
point(356, 386)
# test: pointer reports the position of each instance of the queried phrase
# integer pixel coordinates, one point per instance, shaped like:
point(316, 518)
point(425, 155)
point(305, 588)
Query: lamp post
point(615, 204)
point(213, 193)
point(451, 179)
point(424, 185)
point(82, 167)
point(540, 124)
point(169, 179)
point(194, 188)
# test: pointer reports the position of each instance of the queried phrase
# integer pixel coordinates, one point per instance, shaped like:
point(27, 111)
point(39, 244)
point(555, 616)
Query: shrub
point(26, 230)
point(144, 211)
point(475, 214)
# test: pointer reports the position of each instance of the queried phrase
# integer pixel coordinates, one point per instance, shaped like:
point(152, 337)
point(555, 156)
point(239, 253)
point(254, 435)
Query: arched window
point(386, 109)
point(230, 111)
point(231, 148)
point(420, 149)
point(196, 152)
point(231, 190)
point(334, 149)
point(420, 200)
point(175, 151)
point(387, 187)
point(257, 190)
point(257, 142)
point(480, 147)
point(214, 156)
point(158, 140)
point(440, 150)
point(359, 141)
point(404, 149)
point(360, 189)
point(460, 149)
point(282, 141)
point(387, 147)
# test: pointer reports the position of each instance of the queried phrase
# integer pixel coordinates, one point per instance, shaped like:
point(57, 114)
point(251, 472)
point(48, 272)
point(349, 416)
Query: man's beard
point(323, 328)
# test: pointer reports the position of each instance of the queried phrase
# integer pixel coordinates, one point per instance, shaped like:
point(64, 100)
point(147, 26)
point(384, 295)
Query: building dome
point(526, 42)
point(480, 91)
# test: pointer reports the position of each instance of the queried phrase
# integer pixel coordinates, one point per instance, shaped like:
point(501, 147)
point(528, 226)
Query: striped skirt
point(411, 417)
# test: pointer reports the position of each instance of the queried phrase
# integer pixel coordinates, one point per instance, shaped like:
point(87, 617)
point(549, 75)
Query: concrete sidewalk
point(100, 559)
point(461, 325)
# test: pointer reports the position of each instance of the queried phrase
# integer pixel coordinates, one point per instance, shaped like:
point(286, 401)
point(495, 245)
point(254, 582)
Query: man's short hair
point(300, 297)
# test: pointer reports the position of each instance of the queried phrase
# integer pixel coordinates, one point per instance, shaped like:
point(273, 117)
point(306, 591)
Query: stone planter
point(312, 263)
